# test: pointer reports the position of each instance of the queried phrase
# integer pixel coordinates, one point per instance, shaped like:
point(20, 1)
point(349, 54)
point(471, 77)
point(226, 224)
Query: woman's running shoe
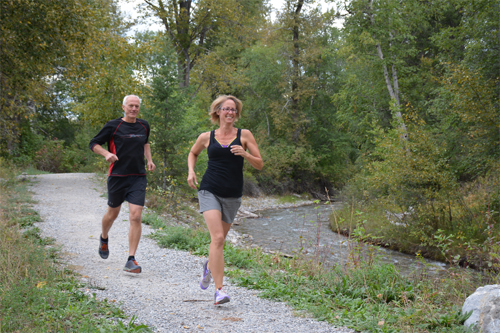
point(206, 278)
point(220, 297)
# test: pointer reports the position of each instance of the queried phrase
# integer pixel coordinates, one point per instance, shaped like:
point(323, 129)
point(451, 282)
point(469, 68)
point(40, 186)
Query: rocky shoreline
point(250, 208)
point(253, 205)
point(267, 202)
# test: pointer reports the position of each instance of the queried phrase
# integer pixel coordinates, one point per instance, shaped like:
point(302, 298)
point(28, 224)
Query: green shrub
point(50, 157)
point(153, 220)
point(182, 238)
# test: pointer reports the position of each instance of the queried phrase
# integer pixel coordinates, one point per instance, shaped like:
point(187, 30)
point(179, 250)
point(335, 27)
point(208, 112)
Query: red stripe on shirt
point(112, 149)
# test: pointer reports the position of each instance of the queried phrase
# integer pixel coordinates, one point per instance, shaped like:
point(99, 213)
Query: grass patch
point(36, 294)
point(364, 295)
point(289, 199)
point(373, 298)
point(183, 238)
point(154, 220)
point(30, 170)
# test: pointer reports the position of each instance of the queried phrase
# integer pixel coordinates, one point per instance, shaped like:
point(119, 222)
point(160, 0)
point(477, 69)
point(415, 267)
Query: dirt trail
point(166, 295)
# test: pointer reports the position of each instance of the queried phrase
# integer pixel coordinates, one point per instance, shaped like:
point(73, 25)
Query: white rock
point(485, 306)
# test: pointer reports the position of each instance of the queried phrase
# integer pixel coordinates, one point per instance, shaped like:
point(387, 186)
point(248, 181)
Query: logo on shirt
point(130, 136)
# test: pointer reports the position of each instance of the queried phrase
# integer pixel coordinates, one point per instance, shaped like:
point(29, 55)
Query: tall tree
point(475, 40)
point(166, 108)
point(297, 35)
point(291, 74)
point(465, 105)
point(382, 32)
point(196, 27)
point(46, 42)
point(34, 36)
point(110, 68)
point(296, 58)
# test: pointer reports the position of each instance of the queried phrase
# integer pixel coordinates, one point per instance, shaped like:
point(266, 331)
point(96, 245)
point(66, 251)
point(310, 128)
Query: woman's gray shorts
point(227, 206)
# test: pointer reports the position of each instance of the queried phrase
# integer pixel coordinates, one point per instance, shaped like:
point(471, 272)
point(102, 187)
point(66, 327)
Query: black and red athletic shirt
point(126, 141)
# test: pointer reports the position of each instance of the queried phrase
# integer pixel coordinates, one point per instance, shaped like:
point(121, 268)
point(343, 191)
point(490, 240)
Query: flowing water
point(306, 230)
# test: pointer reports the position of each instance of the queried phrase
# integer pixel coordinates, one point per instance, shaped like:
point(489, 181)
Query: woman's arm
point(200, 144)
point(253, 153)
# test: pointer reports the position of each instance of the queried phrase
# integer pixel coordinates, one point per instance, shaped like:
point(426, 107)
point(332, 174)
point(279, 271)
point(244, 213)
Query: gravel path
point(166, 295)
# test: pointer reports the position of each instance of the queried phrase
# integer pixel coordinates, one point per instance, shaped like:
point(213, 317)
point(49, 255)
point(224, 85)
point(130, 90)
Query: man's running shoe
point(132, 267)
point(103, 248)
point(220, 297)
point(206, 278)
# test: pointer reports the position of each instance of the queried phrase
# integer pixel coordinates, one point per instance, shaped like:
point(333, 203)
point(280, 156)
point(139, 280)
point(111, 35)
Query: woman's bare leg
point(218, 230)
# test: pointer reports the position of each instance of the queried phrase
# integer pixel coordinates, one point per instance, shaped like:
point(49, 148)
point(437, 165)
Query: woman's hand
point(200, 144)
point(238, 150)
point(253, 154)
point(192, 180)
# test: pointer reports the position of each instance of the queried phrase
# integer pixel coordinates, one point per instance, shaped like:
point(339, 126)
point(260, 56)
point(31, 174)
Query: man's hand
point(151, 166)
point(111, 158)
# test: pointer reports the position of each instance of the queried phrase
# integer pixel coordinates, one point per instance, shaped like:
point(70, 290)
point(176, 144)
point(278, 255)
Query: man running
point(127, 139)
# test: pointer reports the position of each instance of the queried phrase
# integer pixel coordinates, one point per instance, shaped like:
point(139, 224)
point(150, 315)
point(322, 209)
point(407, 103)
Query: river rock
point(245, 213)
point(485, 306)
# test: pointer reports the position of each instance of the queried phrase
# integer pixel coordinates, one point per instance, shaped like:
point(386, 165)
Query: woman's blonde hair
point(214, 117)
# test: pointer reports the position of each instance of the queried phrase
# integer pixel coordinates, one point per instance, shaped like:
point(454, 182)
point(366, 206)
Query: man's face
point(131, 107)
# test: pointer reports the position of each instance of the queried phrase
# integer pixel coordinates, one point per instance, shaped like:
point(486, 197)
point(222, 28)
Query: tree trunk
point(296, 68)
point(393, 91)
point(184, 40)
point(179, 34)
point(164, 172)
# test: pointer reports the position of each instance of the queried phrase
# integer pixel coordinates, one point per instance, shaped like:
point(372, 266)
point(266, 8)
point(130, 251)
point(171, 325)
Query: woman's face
point(225, 113)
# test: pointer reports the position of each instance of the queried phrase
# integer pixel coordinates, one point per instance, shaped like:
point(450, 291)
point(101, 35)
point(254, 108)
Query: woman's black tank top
point(224, 175)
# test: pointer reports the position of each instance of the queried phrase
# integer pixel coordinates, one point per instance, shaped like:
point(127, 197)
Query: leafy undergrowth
point(364, 295)
point(455, 222)
point(36, 295)
point(372, 298)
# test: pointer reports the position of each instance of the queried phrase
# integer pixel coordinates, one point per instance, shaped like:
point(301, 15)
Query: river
point(306, 229)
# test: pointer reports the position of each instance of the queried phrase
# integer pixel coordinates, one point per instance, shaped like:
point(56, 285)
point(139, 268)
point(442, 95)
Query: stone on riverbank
point(242, 213)
point(485, 306)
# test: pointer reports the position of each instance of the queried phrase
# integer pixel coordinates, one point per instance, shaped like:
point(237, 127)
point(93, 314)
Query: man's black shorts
point(130, 188)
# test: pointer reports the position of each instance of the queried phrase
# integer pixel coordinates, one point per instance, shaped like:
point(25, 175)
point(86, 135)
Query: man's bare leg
point(107, 223)
point(108, 219)
point(135, 231)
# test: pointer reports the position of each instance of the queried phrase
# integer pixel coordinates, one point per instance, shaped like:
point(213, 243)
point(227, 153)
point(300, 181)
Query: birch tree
point(381, 31)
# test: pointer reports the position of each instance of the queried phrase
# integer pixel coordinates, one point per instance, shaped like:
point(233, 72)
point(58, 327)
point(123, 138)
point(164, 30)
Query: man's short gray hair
point(125, 99)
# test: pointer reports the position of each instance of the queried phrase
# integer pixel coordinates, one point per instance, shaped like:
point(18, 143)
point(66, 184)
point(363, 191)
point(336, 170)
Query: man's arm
point(102, 137)
point(147, 154)
point(110, 157)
